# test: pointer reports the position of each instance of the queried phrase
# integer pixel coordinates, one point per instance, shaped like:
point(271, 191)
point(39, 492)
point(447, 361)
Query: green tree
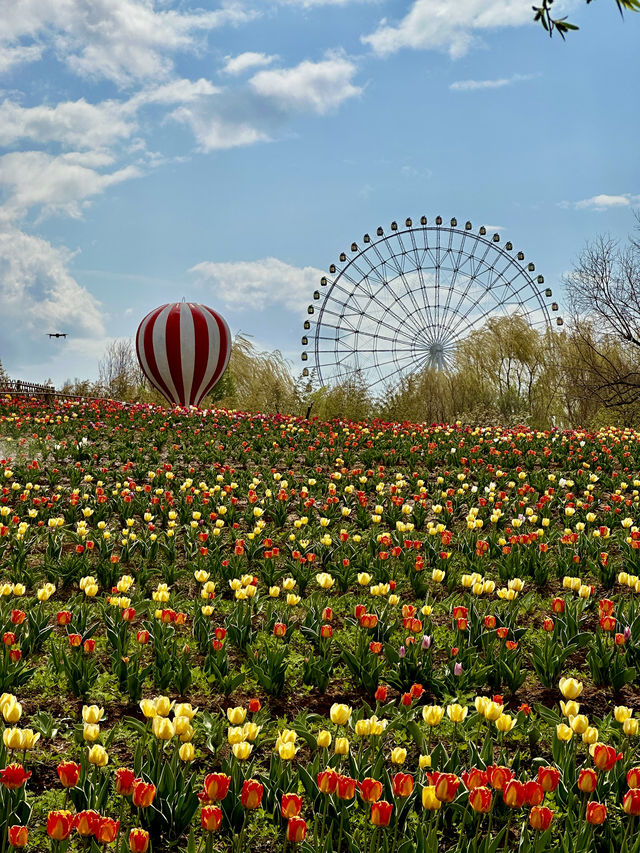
point(543, 14)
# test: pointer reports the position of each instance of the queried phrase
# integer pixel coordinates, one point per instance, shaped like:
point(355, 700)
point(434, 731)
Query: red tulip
point(216, 786)
point(370, 790)
point(75, 640)
point(446, 785)
point(596, 813)
point(605, 757)
point(296, 830)
point(549, 778)
point(106, 830)
point(210, 818)
point(402, 785)
point(381, 813)
point(291, 805)
point(86, 821)
point(14, 776)
point(346, 788)
point(18, 836)
point(514, 794)
point(631, 802)
point(142, 637)
point(64, 617)
point(633, 777)
point(138, 840)
point(326, 632)
point(68, 773)
point(475, 778)
point(327, 781)
point(548, 624)
point(254, 705)
point(540, 818)
point(279, 629)
point(558, 605)
point(480, 799)
point(59, 824)
point(8, 638)
point(251, 796)
point(587, 780)
point(490, 622)
point(381, 694)
point(534, 793)
point(607, 623)
point(124, 781)
point(143, 793)
point(499, 776)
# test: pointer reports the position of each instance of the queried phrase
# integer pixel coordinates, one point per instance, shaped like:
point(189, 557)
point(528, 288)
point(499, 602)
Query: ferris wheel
point(403, 300)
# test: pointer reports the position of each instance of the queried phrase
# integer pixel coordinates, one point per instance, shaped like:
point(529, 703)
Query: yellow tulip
point(579, 724)
point(236, 716)
point(184, 709)
point(398, 755)
point(12, 711)
point(630, 727)
point(342, 746)
point(564, 732)
point(186, 752)
point(163, 705)
point(424, 762)
point(590, 735)
point(91, 732)
point(429, 800)
point(236, 734)
point(432, 714)
point(13, 738)
point(570, 688)
point(148, 708)
point(92, 713)
point(287, 750)
point(493, 711)
point(324, 739)
point(339, 714)
point(242, 750)
point(456, 712)
point(622, 713)
point(163, 728)
point(363, 728)
point(505, 723)
point(98, 755)
point(570, 709)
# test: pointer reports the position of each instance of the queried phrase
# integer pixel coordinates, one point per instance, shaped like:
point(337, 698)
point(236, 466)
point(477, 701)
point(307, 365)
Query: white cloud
point(39, 295)
point(308, 4)
point(10, 56)
point(56, 184)
point(71, 123)
point(310, 86)
point(256, 285)
point(213, 132)
point(603, 202)
point(79, 124)
point(474, 85)
point(445, 25)
point(121, 40)
point(239, 64)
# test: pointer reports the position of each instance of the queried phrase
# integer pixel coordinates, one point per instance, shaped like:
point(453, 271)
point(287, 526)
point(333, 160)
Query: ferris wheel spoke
point(375, 297)
point(400, 305)
point(476, 265)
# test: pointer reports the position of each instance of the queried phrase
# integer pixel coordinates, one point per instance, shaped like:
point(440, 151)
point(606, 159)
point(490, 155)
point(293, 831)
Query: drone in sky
point(57, 334)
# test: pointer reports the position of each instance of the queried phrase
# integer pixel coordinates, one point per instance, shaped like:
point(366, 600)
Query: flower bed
point(236, 632)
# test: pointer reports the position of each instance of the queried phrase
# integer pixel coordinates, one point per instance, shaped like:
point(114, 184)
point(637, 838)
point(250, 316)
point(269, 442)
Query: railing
point(17, 388)
point(26, 389)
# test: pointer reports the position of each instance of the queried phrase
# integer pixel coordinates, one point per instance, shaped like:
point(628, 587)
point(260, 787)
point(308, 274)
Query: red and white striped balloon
point(183, 349)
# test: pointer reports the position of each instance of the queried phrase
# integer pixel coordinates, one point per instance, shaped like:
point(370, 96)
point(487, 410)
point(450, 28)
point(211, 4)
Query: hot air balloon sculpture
point(183, 349)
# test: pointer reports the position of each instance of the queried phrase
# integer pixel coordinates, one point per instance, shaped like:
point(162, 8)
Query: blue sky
point(228, 153)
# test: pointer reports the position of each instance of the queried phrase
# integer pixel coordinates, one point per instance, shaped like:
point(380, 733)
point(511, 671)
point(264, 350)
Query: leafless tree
point(119, 372)
point(604, 302)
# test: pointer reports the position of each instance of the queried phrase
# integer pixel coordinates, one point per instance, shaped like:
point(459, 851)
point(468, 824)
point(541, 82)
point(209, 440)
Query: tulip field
point(251, 633)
